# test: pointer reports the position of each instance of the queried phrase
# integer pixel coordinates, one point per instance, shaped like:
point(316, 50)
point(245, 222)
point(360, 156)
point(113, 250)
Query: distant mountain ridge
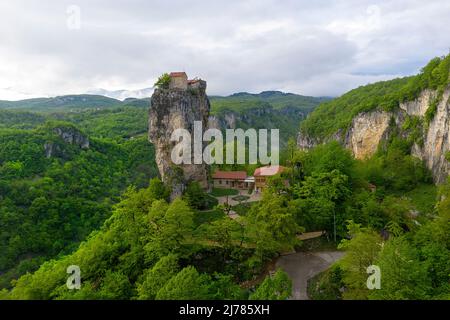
point(68, 102)
point(122, 95)
point(278, 100)
point(236, 102)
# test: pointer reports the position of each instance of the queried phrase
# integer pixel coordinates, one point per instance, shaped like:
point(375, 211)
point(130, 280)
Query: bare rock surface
point(177, 109)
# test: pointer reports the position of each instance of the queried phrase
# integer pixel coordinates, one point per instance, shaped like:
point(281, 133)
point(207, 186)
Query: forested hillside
point(401, 225)
point(106, 117)
point(58, 183)
point(46, 182)
point(153, 249)
point(239, 102)
point(337, 114)
point(63, 203)
point(266, 110)
point(61, 102)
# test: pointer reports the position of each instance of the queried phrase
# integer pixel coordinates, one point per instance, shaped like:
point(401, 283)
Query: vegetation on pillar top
point(163, 81)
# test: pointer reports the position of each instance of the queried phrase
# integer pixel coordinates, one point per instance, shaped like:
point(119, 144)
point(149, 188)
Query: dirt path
point(302, 266)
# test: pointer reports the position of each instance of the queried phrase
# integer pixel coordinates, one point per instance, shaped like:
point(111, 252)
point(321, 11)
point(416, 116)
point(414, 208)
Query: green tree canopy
point(276, 287)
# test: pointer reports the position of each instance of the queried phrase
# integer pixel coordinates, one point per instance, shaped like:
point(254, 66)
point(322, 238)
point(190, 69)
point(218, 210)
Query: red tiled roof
point(193, 80)
point(233, 175)
point(178, 74)
point(268, 171)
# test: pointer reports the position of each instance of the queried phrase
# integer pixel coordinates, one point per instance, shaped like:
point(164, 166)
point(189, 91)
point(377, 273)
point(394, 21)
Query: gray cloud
point(307, 47)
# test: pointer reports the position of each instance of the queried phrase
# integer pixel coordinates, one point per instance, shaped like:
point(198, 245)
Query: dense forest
point(81, 188)
point(154, 249)
point(54, 192)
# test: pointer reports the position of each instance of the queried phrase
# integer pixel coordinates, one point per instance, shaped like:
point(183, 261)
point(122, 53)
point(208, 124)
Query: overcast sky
point(307, 47)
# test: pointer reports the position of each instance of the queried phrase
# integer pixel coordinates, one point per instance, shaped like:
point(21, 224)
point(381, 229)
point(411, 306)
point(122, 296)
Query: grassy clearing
point(219, 192)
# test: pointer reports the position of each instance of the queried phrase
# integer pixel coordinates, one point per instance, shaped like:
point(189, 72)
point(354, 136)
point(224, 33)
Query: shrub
point(163, 81)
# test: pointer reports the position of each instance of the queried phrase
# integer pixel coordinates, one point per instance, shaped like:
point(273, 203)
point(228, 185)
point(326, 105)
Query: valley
point(118, 143)
point(80, 184)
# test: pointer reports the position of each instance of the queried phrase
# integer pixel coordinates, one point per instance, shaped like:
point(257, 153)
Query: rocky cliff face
point(370, 128)
point(263, 117)
point(305, 142)
point(252, 117)
point(70, 136)
point(177, 109)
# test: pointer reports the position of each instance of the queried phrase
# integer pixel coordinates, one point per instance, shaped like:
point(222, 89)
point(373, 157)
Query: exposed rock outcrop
point(419, 106)
point(368, 129)
point(171, 109)
point(252, 117)
point(305, 142)
point(69, 135)
point(225, 121)
point(366, 132)
point(72, 136)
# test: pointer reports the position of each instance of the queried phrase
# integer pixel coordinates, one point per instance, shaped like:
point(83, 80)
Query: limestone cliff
point(70, 135)
point(177, 108)
point(366, 132)
point(436, 140)
point(368, 129)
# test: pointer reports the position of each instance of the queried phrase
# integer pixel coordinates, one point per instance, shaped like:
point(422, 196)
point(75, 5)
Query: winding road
point(302, 266)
